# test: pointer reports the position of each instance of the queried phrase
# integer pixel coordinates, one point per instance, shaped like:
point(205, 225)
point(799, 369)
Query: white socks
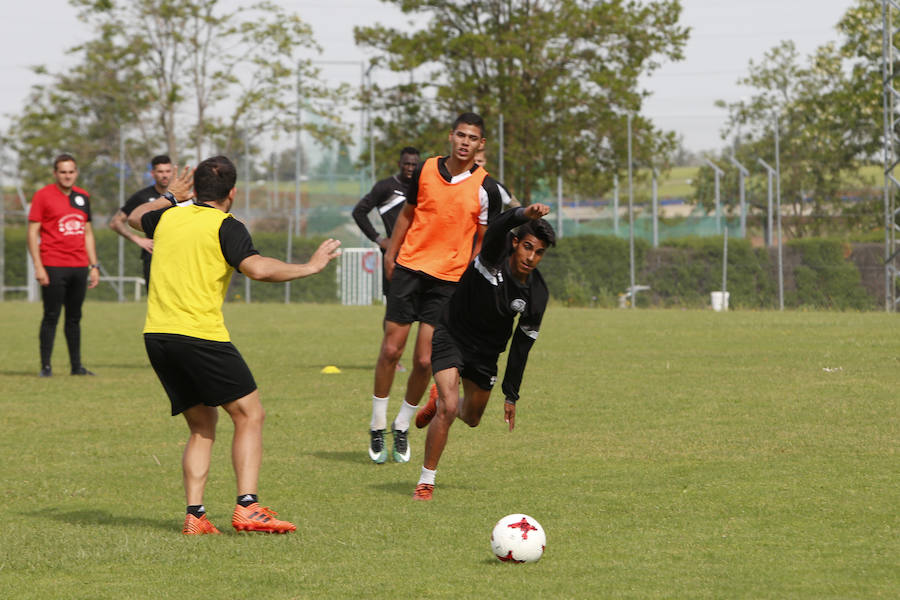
point(379, 413)
point(407, 412)
point(427, 476)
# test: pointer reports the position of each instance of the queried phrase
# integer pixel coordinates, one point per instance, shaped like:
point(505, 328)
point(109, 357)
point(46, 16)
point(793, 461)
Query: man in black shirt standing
point(161, 171)
point(388, 196)
point(476, 325)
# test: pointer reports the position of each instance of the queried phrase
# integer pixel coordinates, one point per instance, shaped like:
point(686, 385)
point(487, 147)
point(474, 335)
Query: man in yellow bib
point(449, 202)
point(196, 248)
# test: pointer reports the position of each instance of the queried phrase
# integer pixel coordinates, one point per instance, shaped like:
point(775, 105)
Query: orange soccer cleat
point(426, 414)
point(198, 526)
point(424, 491)
point(259, 518)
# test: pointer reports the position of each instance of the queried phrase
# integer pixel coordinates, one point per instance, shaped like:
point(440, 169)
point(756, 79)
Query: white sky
point(726, 35)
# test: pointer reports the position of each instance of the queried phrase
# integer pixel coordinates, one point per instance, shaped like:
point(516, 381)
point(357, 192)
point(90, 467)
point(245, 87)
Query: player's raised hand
point(536, 211)
point(182, 186)
point(325, 253)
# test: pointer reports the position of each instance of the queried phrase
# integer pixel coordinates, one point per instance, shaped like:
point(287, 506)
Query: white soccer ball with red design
point(518, 539)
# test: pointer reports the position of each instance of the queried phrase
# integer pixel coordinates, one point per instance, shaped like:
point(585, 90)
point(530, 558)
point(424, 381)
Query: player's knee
point(391, 352)
point(422, 363)
point(472, 420)
point(257, 416)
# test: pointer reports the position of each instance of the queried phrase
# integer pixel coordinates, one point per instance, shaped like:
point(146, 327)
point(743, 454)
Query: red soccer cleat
point(424, 491)
point(427, 412)
point(259, 518)
point(198, 526)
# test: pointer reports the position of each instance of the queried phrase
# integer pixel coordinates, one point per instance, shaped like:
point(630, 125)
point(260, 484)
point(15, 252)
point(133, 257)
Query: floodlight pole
point(120, 243)
point(718, 173)
point(742, 173)
point(559, 197)
point(247, 202)
point(297, 160)
point(654, 201)
point(770, 174)
point(778, 216)
point(502, 149)
point(631, 289)
point(368, 81)
point(616, 204)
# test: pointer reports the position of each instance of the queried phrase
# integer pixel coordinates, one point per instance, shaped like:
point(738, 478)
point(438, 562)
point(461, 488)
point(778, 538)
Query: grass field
point(668, 454)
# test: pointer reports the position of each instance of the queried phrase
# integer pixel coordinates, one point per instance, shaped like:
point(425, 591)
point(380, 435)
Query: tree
point(828, 108)
point(185, 77)
point(563, 73)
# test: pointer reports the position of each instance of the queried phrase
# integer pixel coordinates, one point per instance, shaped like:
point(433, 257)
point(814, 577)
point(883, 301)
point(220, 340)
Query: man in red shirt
point(61, 244)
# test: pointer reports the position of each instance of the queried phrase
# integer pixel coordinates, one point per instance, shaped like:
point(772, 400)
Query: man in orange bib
point(448, 206)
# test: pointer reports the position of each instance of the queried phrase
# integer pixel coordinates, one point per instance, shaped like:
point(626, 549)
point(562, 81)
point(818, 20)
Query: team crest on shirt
point(517, 305)
point(79, 200)
point(71, 225)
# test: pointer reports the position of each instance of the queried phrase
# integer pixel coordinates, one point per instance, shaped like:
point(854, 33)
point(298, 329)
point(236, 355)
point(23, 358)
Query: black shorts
point(195, 371)
point(414, 296)
point(447, 352)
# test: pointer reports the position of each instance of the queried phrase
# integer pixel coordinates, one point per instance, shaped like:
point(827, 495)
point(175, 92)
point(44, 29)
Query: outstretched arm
point(264, 268)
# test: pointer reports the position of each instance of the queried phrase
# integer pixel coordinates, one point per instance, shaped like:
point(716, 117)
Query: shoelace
point(400, 437)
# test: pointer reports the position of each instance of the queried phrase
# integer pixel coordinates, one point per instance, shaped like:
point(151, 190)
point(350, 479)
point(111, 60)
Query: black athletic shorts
point(447, 352)
point(195, 371)
point(414, 296)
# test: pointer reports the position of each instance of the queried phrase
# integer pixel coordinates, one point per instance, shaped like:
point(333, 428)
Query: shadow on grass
point(347, 456)
point(33, 373)
point(104, 518)
point(403, 488)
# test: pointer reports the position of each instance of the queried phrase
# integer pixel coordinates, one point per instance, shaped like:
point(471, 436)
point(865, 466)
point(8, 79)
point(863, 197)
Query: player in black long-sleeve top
point(501, 284)
point(388, 196)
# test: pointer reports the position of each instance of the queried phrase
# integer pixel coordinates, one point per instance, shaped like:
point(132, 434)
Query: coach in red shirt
point(61, 244)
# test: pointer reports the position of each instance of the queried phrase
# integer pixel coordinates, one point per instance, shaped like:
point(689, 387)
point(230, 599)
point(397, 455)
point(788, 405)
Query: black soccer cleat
point(401, 445)
point(377, 451)
point(46, 371)
point(80, 371)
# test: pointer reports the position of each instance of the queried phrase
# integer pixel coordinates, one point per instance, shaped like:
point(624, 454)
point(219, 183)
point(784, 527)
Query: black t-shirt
point(387, 196)
point(234, 239)
point(148, 194)
point(485, 304)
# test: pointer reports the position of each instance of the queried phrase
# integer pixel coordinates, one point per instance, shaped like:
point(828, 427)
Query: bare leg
point(472, 406)
point(447, 382)
point(201, 421)
point(420, 376)
point(395, 336)
point(248, 415)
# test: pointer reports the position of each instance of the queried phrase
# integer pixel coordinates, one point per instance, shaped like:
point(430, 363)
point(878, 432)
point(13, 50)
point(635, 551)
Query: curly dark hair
point(540, 229)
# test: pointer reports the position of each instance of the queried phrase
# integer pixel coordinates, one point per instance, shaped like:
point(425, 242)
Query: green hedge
point(319, 288)
point(587, 270)
point(684, 272)
point(825, 279)
point(593, 270)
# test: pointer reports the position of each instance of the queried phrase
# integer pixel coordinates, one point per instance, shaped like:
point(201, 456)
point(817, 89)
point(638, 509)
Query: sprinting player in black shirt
point(503, 282)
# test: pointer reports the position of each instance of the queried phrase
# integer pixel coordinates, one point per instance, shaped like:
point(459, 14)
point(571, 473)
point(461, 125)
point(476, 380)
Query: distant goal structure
point(359, 276)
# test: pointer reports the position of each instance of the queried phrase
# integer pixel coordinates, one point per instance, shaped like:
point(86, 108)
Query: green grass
point(668, 454)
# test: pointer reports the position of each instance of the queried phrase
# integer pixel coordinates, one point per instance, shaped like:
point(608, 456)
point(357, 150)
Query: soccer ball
point(518, 538)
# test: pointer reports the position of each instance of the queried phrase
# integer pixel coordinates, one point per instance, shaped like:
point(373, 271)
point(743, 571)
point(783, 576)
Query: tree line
point(191, 78)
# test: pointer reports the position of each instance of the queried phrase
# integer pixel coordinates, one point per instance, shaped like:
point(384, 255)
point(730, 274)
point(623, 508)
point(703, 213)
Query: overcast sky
point(726, 35)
